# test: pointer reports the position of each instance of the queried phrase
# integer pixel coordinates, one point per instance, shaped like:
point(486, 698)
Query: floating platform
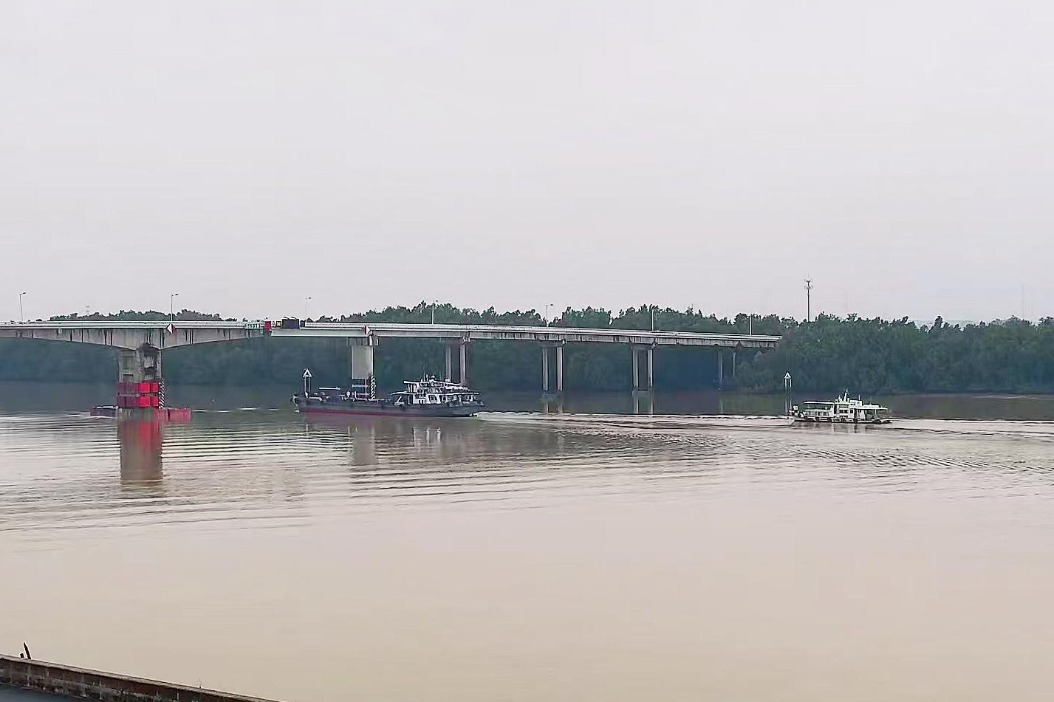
point(174, 415)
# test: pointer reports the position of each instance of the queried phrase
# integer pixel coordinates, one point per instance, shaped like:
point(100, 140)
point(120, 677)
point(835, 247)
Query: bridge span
point(140, 343)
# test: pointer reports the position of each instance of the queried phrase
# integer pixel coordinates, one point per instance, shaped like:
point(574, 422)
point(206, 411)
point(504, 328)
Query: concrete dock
point(37, 681)
point(14, 694)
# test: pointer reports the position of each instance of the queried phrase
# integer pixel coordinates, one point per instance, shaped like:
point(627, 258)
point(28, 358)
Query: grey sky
point(249, 154)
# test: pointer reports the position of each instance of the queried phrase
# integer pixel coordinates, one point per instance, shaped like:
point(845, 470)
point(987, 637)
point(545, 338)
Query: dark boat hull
point(377, 408)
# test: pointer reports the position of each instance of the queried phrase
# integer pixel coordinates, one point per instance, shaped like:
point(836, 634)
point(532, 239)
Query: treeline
point(879, 356)
point(826, 355)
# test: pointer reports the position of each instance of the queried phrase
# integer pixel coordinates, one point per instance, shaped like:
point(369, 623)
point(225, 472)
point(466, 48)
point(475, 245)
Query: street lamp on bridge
point(21, 314)
point(171, 308)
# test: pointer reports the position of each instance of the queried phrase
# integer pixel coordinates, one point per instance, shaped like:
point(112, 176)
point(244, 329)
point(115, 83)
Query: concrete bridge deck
point(133, 339)
point(130, 335)
point(484, 332)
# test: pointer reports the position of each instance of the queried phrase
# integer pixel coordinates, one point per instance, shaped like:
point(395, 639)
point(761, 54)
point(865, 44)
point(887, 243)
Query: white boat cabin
point(842, 409)
point(430, 391)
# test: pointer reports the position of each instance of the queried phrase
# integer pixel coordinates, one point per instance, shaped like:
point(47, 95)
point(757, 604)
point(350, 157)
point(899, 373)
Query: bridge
point(140, 343)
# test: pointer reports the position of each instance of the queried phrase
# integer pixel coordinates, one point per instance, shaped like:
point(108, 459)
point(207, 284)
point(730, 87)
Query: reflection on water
point(140, 452)
point(625, 554)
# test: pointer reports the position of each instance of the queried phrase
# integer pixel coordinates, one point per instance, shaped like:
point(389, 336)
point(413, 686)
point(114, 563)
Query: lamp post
point(171, 307)
point(306, 301)
point(21, 313)
point(808, 299)
point(652, 307)
point(547, 306)
point(434, 302)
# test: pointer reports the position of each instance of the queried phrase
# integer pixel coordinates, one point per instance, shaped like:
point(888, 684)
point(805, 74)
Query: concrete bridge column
point(448, 361)
point(138, 365)
point(560, 368)
point(650, 377)
point(464, 363)
point(651, 368)
point(546, 348)
point(360, 366)
point(720, 368)
point(636, 367)
point(545, 369)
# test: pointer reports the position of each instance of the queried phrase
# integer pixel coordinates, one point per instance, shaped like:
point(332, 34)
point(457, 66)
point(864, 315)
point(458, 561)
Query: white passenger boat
point(843, 409)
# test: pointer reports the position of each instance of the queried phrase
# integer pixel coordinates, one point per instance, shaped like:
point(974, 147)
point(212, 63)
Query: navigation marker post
point(787, 393)
point(307, 382)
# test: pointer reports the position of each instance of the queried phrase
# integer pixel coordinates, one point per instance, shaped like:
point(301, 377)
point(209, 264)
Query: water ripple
point(67, 472)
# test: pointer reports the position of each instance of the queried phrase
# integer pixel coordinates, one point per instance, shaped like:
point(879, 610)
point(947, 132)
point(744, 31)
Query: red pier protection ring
point(138, 395)
point(175, 414)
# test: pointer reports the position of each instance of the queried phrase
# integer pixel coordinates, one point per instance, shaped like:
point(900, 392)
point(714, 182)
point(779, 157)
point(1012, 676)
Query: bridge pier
point(720, 369)
point(142, 364)
point(139, 381)
point(635, 352)
point(545, 369)
point(559, 367)
point(361, 376)
point(448, 358)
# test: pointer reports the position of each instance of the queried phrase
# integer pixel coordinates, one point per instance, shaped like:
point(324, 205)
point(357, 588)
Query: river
point(701, 549)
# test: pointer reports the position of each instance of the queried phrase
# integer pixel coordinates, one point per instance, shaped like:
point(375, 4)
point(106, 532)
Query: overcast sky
point(250, 154)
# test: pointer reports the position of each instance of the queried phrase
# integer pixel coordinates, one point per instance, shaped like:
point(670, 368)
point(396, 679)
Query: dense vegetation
point(878, 356)
point(866, 355)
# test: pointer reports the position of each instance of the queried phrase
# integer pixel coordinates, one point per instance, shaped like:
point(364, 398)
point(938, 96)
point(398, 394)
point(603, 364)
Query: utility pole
point(808, 299)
